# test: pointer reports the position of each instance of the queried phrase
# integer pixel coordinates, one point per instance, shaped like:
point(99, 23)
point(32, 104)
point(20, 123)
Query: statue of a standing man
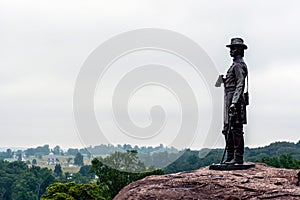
point(235, 103)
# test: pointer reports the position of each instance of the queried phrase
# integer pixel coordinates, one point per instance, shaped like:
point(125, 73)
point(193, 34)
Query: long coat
point(234, 83)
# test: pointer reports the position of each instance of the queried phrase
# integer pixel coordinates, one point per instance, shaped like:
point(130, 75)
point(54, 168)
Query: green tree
point(73, 191)
point(115, 179)
point(282, 161)
point(19, 155)
point(57, 170)
point(85, 171)
point(20, 182)
point(78, 178)
point(57, 150)
point(72, 152)
point(125, 161)
point(78, 160)
point(9, 153)
point(44, 150)
point(24, 188)
point(34, 162)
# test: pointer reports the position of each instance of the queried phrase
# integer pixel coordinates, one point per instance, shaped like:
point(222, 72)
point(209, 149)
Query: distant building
point(19, 156)
point(51, 160)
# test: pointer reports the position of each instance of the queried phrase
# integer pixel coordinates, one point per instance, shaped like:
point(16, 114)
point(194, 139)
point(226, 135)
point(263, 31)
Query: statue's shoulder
point(241, 66)
point(240, 63)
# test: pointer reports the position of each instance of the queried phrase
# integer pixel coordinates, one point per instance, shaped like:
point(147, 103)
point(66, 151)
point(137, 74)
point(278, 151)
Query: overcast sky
point(43, 45)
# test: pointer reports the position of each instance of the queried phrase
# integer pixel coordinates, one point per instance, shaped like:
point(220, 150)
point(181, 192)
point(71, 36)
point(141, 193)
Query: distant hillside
point(170, 159)
point(190, 160)
point(274, 149)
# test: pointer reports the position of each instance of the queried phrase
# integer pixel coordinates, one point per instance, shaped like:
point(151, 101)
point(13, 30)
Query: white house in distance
point(51, 160)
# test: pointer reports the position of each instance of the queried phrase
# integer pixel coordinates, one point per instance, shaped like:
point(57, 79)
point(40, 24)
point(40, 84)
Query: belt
point(230, 89)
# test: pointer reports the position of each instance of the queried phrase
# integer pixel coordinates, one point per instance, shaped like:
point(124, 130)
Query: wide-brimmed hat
point(237, 42)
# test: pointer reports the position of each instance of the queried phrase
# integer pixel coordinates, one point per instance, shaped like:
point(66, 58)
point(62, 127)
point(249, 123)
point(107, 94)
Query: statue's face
point(234, 51)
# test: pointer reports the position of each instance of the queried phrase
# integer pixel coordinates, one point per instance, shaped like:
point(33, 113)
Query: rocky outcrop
point(260, 182)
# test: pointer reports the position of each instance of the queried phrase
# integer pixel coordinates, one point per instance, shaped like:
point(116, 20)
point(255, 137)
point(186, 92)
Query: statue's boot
point(230, 148)
point(230, 154)
point(238, 148)
point(238, 137)
point(229, 157)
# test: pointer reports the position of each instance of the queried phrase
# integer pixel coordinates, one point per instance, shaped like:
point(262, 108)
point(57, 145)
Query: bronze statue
point(235, 102)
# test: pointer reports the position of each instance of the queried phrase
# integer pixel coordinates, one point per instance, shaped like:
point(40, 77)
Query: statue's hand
point(219, 81)
point(232, 110)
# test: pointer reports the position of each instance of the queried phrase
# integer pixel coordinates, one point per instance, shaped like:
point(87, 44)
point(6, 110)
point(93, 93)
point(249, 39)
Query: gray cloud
point(43, 45)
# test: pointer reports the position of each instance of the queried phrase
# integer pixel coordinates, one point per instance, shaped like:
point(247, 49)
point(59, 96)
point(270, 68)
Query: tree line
point(277, 154)
point(105, 176)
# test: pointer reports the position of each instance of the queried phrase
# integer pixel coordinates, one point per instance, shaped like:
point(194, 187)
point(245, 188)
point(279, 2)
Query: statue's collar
point(238, 59)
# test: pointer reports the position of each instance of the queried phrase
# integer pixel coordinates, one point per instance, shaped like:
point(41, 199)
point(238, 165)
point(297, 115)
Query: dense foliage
point(7, 154)
point(78, 160)
point(73, 191)
point(20, 182)
point(274, 149)
point(57, 170)
point(44, 150)
point(282, 161)
point(113, 178)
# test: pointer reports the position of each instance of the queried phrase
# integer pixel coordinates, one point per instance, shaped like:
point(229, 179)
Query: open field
point(60, 159)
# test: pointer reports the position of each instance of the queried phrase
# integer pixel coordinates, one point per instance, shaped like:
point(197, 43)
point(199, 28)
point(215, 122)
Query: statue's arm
point(240, 73)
